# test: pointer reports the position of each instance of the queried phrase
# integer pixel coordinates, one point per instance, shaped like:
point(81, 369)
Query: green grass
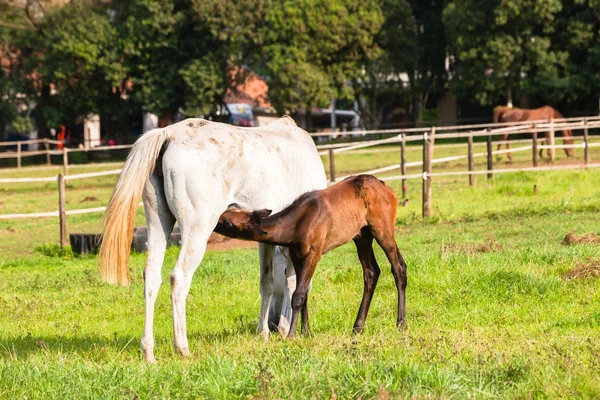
point(492, 311)
point(498, 323)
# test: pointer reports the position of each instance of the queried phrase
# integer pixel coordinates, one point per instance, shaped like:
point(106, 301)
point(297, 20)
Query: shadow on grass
point(27, 346)
point(94, 347)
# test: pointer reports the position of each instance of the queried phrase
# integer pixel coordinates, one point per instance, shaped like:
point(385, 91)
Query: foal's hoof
point(401, 326)
point(357, 330)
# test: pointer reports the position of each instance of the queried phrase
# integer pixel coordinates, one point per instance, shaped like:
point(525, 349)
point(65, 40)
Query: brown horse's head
point(242, 224)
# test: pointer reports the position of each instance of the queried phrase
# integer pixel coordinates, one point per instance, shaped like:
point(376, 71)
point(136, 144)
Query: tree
point(577, 34)
point(17, 19)
point(229, 32)
point(502, 49)
point(75, 53)
point(311, 50)
point(413, 37)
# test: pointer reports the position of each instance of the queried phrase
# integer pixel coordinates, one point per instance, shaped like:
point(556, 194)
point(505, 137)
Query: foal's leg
point(265, 253)
point(371, 273)
point(305, 268)
point(305, 327)
point(386, 240)
point(289, 286)
point(160, 222)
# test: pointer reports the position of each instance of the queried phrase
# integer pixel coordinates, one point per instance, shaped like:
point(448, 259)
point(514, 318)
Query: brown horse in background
point(506, 114)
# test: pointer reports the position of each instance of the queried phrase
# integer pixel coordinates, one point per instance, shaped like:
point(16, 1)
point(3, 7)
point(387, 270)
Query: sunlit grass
point(484, 321)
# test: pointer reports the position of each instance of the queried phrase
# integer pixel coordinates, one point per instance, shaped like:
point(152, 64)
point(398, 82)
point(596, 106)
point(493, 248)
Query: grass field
point(497, 306)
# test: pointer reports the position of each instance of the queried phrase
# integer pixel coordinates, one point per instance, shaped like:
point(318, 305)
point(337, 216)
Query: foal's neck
point(281, 228)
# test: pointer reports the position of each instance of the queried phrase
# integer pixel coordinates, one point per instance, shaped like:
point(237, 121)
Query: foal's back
point(354, 203)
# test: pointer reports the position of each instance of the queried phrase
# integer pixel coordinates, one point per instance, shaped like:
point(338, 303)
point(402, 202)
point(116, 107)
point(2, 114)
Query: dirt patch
point(585, 238)
point(220, 242)
point(488, 245)
point(589, 270)
point(88, 199)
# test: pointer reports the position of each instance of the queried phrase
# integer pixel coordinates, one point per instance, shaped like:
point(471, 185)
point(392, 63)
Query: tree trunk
point(43, 129)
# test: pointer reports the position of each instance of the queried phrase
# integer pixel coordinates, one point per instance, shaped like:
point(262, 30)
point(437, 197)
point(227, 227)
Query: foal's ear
point(259, 214)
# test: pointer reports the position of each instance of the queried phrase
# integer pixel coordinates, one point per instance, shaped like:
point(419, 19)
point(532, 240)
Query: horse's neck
point(281, 227)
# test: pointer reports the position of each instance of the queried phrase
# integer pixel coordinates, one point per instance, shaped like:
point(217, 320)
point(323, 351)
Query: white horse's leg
point(265, 253)
point(288, 290)
point(279, 267)
point(160, 222)
point(193, 247)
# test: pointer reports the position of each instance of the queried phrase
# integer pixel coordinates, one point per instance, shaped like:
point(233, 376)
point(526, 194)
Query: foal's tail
point(119, 217)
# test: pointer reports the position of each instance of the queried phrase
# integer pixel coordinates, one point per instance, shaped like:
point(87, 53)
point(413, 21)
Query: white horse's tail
point(119, 218)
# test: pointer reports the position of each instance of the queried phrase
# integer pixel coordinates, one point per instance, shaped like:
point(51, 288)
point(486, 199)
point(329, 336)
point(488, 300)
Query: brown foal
point(360, 208)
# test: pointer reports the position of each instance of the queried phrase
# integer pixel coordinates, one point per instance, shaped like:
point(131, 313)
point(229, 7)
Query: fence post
point(471, 161)
point(403, 164)
point(65, 161)
point(534, 147)
point(427, 157)
point(586, 149)
point(47, 145)
point(62, 210)
point(490, 158)
point(551, 141)
point(331, 165)
point(18, 154)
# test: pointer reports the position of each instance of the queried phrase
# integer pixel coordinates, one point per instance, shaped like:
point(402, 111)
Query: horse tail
point(119, 218)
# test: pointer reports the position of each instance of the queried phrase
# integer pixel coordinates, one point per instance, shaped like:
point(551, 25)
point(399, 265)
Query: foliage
point(505, 47)
point(54, 250)
point(408, 70)
point(64, 60)
point(415, 41)
point(75, 49)
point(577, 35)
point(310, 50)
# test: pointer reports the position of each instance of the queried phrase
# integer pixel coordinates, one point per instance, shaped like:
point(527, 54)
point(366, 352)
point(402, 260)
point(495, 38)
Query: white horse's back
point(266, 167)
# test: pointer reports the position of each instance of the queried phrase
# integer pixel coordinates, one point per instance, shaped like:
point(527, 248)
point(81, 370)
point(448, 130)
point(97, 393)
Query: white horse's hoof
point(264, 334)
point(149, 357)
point(284, 326)
point(184, 352)
point(284, 331)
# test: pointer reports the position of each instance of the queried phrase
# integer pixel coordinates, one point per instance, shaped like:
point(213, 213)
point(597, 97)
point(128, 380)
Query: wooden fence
point(427, 136)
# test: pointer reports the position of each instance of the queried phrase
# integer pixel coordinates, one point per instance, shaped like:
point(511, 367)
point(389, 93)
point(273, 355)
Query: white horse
point(190, 172)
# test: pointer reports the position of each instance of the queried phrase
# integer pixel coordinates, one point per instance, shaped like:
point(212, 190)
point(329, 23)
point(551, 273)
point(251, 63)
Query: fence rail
point(425, 135)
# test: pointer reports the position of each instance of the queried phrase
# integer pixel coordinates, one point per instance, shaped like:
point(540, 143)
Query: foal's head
point(238, 223)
